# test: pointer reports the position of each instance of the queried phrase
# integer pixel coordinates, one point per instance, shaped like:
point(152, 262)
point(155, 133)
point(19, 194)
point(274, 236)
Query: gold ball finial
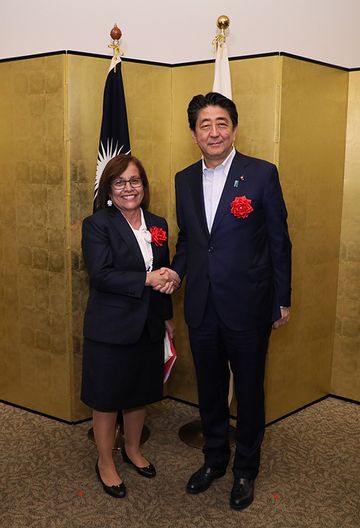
point(115, 33)
point(223, 22)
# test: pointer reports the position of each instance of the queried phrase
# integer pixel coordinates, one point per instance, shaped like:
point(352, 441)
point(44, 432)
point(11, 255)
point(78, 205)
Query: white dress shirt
point(143, 237)
point(213, 186)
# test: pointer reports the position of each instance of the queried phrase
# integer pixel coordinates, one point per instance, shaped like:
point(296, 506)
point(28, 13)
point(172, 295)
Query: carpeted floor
point(309, 478)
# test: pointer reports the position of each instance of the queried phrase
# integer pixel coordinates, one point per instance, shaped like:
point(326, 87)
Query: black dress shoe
point(242, 493)
point(202, 478)
point(147, 471)
point(118, 491)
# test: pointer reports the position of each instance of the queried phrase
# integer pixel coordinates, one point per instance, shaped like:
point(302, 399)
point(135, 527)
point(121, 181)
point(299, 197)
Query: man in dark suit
point(234, 247)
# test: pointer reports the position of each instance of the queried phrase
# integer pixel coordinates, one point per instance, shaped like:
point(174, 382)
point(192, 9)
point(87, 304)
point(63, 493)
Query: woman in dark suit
point(126, 255)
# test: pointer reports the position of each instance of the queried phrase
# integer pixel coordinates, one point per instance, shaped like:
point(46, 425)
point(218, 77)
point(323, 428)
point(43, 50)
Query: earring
point(109, 203)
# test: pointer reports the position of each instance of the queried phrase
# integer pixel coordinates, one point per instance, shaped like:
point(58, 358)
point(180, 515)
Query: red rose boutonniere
point(241, 207)
point(158, 236)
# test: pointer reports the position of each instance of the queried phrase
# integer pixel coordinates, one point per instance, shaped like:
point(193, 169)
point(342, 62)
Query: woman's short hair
point(113, 169)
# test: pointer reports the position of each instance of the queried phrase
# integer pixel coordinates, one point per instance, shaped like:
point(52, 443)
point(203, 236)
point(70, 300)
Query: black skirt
point(116, 377)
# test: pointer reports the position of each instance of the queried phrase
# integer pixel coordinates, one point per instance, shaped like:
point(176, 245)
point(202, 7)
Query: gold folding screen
point(148, 90)
point(290, 112)
point(35, 298)
point(311, 163)
point(255, 85)
point(346, 361)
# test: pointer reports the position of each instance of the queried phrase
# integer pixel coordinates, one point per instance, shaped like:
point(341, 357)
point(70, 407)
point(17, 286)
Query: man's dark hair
point(113, 169)
point(198, 102)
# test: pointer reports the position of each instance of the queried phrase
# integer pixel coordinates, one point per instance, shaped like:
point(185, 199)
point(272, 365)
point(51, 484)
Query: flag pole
point(114, 139)
point(114, 133)
point(223, 23)
point(191, 433)
point(116, 35)
point(222, 80)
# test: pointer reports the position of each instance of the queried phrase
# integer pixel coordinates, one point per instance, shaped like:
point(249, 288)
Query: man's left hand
point(285, 316)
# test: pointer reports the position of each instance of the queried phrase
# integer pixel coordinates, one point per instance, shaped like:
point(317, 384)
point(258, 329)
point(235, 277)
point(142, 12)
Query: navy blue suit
point(238, 276)
point(124, 323)
point(119, 302)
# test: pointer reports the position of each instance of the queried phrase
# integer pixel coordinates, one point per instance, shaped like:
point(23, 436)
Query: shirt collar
point(225, 164)
point(143, 226)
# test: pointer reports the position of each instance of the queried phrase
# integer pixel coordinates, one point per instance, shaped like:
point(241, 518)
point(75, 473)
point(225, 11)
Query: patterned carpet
point(309, 478)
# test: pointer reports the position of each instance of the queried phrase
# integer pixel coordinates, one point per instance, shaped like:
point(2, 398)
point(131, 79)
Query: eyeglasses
point(121, 184)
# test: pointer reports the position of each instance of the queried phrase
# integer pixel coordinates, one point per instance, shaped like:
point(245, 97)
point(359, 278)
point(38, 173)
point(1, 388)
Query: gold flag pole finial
point(222, 23)
point(116, 35)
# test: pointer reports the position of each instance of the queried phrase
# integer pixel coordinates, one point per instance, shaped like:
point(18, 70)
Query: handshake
point(163, 280)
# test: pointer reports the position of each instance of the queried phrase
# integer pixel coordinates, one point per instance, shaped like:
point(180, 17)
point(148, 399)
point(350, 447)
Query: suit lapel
point(127, 235)
point(236, 170)
point(196, 185)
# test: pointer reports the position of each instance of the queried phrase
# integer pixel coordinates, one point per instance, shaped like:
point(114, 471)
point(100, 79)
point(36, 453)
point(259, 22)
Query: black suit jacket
point(119, 303)
point(245, 261)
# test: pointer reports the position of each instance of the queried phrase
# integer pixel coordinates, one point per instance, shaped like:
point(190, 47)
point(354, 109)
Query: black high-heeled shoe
point(118, 491)
point(147, 471)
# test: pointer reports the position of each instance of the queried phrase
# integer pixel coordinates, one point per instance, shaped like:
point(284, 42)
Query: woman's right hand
point(164, 280)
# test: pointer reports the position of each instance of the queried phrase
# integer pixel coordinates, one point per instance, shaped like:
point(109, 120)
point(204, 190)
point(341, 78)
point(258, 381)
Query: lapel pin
point(236, 183)
point(242, 177)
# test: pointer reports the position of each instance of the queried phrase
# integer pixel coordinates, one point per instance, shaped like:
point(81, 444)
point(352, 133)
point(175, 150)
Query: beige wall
point(291, 112)
point(346, 361)
point(173, 31)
